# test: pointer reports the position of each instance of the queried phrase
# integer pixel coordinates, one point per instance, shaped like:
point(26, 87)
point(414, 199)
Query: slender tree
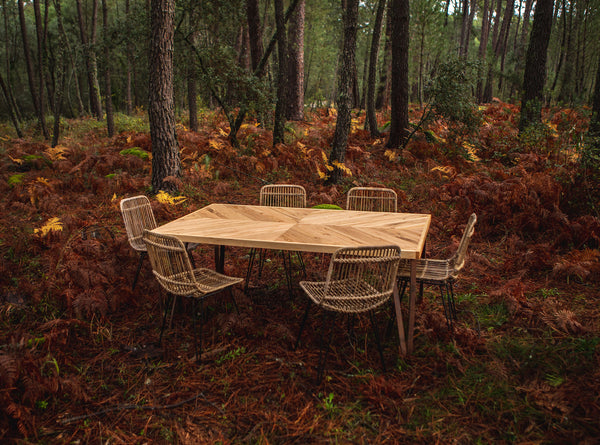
point(595, 120)
point(110, 119)
point(535, 64)
point(37, 106)
point(280, 106)
point(295, 66)
point(90, 57)
point(166, 164)
point(254, 32)
point(11, 112)
point(400, 40)
point(371, 118)
point(344, 96)
point(62, 62)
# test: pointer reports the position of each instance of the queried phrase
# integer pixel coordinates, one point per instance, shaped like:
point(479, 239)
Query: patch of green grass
point(135, 151)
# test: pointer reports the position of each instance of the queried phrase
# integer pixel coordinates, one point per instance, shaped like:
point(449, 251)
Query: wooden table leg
point(412, 304)
point(220, 259)
point(399, 321)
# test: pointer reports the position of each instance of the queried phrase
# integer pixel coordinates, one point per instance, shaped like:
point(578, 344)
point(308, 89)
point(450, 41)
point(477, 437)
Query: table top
point(300, 229)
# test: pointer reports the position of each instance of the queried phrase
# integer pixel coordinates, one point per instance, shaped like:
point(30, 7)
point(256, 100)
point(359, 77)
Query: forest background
point(79, 357)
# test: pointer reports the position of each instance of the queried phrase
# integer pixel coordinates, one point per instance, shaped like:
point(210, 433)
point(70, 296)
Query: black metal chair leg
point(251, 256)
point(302, 266)
point(233, 301)
point(139, 268)
point(377, 340)
point(451, 301)
point(165, 312)
point(287, 266)
point(324, 349)
point(198, 335)
point(304, 317)
point(446, 305)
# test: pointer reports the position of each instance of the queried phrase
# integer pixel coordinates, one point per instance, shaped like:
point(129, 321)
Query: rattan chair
point(372, 199)
point(174, 272)
point(441, 273)
point(278, 195)
point(359, 280)
point(138, 216)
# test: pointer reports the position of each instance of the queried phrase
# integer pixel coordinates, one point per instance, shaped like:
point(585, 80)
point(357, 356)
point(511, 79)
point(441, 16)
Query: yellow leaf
point(342, 167)
point(324, 156)
point(164, 198)
point(56, 153)
point(222, 132)
point(321, 174)
point(52, 225)
point(43, 181)
point(114, 197)
point(471, 150)
point(16, 161)
point(128, 139)
point(390, 154)
point(217, 145)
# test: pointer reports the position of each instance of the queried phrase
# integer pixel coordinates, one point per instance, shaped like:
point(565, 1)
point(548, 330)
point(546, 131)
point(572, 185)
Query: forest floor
point(80, 359)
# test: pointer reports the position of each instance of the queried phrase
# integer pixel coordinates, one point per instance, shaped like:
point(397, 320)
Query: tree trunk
point(110, 119)
point(254, 32)
point(508, 15)
point(30, 76)
point(41, 68)
point(11, 112)
point(128, 96)
point(371, 117)
point(385, 78)
point(280, 106)
point(90, 58)
point(482, 51)
point(594, 130)
point(344, 99)
point(400, 41)
point(295, 67)
point(487, 91)
point(61, 74)
point(535, 65)
point(166, 164)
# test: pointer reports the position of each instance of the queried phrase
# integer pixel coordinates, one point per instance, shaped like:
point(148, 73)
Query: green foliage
point(449, 93)
point(327, 206)
point(15, 179)
point(135, 151)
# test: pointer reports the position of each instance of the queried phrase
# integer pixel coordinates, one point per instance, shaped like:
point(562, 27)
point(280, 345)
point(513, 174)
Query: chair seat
point(349, 296)
point(428, 270)
point(207, 282)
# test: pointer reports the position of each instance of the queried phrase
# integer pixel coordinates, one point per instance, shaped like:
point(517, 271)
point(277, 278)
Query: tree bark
point(254, 32)
point(400, 42)
point(166, 164)
point(535, 65)
point(30, 76)
point(295, 67)
point(110, 119)
point(90, 58)
point(344, 99)
point(280, 106)
point(61, 74)
point(371, 117)
point(594, 130)
point(13, 116)
point(128, 96)
point(385, 78)
point(482, 51)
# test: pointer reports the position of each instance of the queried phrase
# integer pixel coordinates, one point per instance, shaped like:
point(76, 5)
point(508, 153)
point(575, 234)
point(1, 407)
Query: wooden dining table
point(308, 230)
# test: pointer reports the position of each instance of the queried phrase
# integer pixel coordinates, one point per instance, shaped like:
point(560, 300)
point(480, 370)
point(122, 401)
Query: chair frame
point(278, 195)
point(372, 199)
point(138, 216)
point(359, 280)
point(442, 273)
point(173, 270)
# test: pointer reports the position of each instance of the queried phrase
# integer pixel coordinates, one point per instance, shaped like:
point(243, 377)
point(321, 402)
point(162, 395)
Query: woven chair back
point(137, 216)
point(372, 199)
point(283, 195)
point(361, 278)
point(458, 259)
point(170, 263)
